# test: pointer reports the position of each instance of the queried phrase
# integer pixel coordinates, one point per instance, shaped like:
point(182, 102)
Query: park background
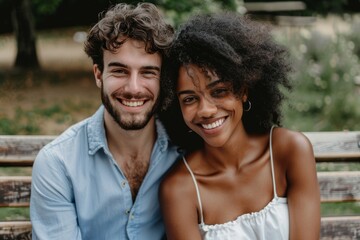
point(48, 85)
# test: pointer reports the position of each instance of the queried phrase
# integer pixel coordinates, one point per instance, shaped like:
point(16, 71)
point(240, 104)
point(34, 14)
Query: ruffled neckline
point(246, 216)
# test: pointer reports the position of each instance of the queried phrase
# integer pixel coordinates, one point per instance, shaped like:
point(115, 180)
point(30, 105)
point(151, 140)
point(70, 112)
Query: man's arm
point(52, 209)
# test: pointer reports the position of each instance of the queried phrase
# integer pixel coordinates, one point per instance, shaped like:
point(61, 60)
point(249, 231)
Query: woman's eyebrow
point(185, 92)
point(214, 83)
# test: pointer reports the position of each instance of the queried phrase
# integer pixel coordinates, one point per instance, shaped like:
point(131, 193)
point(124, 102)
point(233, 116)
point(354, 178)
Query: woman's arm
point(303, 189)
point(178, 204)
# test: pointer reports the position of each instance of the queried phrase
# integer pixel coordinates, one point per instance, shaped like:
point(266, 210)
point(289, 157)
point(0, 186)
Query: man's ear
point(97, 75)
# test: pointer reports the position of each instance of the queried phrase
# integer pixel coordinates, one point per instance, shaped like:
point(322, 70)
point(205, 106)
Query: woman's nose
point(207, 108)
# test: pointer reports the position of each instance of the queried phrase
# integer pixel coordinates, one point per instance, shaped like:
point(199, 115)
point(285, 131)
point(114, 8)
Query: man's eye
point(150, 74)
point(119, 71)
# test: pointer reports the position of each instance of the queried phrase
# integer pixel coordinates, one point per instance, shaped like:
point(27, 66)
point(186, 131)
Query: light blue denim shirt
point(79, 192)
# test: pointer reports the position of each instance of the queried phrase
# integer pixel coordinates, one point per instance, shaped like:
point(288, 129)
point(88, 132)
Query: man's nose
point(133, 84)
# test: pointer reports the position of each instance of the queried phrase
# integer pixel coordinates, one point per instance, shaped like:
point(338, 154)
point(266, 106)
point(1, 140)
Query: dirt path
point(57, 50)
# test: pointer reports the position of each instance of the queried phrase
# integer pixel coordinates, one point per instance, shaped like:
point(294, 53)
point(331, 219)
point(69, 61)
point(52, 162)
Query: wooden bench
point(274, 12)
point(340, 186)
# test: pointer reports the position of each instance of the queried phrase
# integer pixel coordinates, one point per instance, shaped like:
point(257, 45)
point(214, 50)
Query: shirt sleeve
point(52, 208)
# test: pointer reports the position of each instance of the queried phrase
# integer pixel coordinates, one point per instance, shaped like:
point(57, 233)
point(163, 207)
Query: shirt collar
point(96, 131)
point(162, 136)
point(97, 136)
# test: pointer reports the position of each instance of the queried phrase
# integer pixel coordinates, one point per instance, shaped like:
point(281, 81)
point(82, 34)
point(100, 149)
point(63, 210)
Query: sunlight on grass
point(337, 166)
point(338, 209)
point(14, 214)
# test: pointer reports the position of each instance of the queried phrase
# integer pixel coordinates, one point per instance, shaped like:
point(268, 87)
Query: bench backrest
point(340, 186)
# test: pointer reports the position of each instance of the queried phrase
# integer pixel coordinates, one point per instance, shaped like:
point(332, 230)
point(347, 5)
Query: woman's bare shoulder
point(178, 180)
point(288, 140)
point(292, 146)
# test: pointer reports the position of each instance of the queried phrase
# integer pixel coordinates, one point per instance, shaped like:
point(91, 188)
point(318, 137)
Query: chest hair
point(135, 170)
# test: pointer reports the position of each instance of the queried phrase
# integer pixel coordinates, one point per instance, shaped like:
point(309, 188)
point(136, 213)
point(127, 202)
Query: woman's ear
point(97, 75)
point(244, 94)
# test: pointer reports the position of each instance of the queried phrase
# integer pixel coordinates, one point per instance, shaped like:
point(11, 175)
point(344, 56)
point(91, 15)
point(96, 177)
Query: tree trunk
point(23, 23)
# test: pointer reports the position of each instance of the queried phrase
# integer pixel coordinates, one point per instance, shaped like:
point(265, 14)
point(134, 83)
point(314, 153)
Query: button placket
point(123, 184)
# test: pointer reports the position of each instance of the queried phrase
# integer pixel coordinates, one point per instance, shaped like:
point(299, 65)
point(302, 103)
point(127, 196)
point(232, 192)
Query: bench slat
point(15, 191)
point(274, 6)
point(15, 230)
point(21, 150)
point(347, 227)
point(334, 187)
point(331, 228)
point(341, 186)
point(335, 145)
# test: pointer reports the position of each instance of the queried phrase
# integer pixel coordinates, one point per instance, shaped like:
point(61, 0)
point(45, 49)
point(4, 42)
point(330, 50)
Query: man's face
point(130, 84)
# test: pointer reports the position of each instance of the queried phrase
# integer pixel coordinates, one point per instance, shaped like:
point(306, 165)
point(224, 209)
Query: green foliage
point(178, 11)
point(46, 6)
point(326, 96)
point(324, 7)
point(354, 35)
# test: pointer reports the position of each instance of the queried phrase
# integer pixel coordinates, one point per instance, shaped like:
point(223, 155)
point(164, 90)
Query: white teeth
point(132, 103)
point(214, 124)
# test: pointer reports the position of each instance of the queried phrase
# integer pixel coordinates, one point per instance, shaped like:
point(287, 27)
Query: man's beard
point(133, 124)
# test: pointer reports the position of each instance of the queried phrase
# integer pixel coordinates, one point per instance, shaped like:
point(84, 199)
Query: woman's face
point(208, 105)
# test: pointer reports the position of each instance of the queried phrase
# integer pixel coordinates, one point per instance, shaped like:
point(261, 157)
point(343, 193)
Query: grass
point(340, 209)
point(14, 214)
point(337, 166)
point(45, 102)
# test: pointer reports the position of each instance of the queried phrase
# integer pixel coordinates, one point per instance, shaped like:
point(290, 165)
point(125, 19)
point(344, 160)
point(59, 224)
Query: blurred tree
point(23, 24)
point(23, 21)
point(323, 7)
point(24, 29)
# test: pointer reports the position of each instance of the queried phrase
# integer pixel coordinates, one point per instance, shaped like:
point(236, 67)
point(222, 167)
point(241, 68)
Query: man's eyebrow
point(156, 68)
point(119, 64)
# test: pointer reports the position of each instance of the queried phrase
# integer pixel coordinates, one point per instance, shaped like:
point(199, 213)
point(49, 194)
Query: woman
point(242, 177)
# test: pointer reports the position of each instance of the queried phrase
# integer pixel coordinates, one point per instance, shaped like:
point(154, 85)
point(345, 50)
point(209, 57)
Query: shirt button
point(127, 211)
point(123, 184)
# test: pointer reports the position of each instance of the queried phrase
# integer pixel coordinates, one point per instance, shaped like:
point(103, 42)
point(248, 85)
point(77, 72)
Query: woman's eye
point(221, 92)
point(188, 100)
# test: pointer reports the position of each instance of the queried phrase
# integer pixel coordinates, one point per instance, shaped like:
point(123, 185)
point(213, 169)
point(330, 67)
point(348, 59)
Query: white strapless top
point(272, 222)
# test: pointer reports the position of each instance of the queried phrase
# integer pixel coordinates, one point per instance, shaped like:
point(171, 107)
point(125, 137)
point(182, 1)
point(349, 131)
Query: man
point(100, 178)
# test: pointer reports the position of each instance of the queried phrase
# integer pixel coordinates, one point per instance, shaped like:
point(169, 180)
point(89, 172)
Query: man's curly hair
point(240, 51)
point(142, 22)
point(120, 22)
